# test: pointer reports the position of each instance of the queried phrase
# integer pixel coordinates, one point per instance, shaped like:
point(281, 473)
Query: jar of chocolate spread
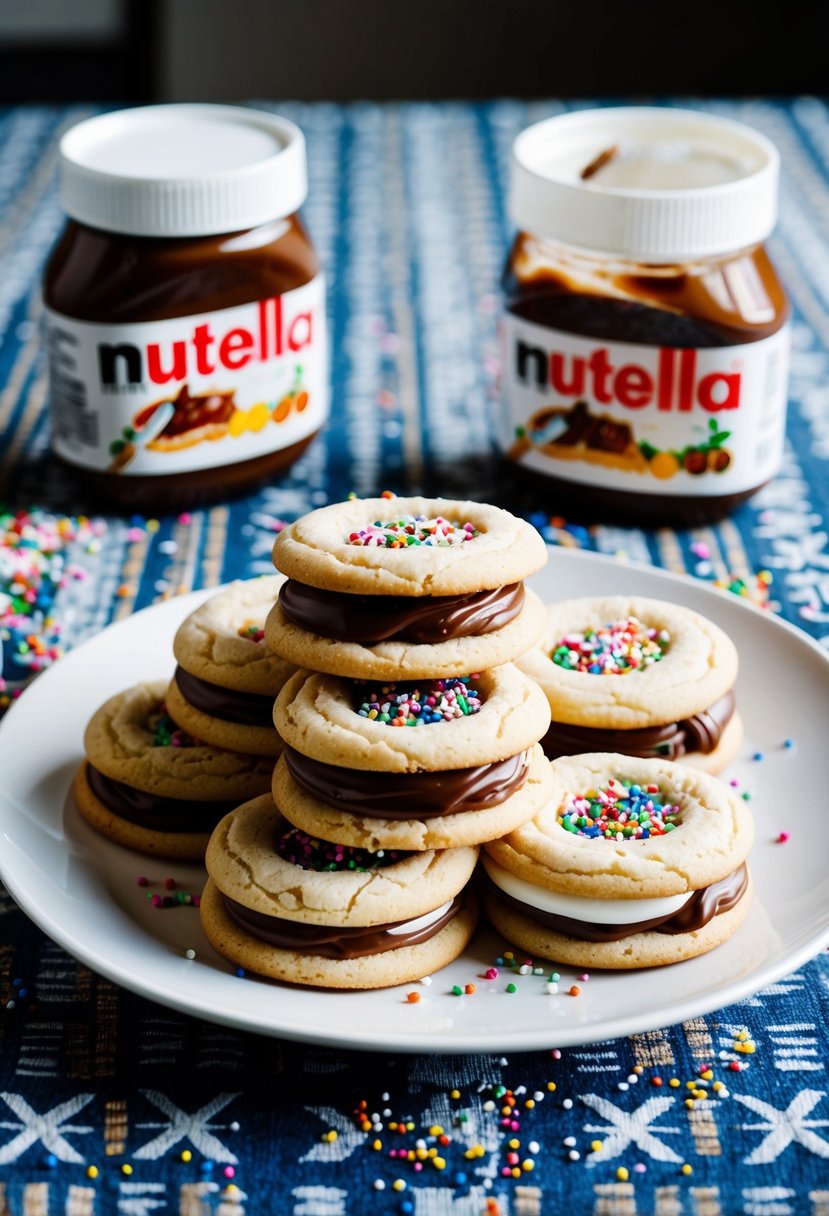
point(645, 340)
point(185, 308)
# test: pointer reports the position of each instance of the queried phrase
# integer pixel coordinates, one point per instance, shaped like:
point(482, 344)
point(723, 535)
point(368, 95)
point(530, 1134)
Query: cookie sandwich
point(633, 863)
point(226, 680)
point(150, 786)
point(637, 676)
point(428, 764)
point(286, 905)
point(385, 588)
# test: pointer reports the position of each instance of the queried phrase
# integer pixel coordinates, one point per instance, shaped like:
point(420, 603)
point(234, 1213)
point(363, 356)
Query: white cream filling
point(582, 907)
point(422, 922)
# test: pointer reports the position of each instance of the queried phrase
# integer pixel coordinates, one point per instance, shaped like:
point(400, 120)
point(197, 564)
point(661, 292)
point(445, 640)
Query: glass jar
point(645, 339)
point(184, 305)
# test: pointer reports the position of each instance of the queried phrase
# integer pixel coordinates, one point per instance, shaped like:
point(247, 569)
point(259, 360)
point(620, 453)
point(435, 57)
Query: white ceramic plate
point(82, 890)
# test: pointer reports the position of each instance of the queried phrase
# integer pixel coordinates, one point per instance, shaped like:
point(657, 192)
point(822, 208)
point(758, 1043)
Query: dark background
point(231, 50)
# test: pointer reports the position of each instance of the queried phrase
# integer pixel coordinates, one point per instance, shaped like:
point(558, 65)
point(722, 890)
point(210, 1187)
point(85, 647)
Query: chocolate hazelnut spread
point(408, 795)
point(334, 941)
point(701, 907)
point(699, 733)
point(246, 708)
point(185, 307)
point(645, 340)
point(153, 811)
point(370, 619)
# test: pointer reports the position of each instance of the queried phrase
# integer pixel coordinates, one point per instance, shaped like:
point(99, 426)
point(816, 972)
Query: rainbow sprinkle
point(437, 701)
point(36, 551)
point(166, 733)
point(621, 810)
point(758, 593)
point(251, 632)
point(412, 530)
point(612, 650)
point(310, 853)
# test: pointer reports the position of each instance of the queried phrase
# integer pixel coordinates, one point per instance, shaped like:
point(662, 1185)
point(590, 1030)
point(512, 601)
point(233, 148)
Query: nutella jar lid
point(182, 170)
point(640, 182)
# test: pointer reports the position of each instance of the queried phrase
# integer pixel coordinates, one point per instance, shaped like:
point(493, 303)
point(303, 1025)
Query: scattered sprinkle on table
point(40, 560)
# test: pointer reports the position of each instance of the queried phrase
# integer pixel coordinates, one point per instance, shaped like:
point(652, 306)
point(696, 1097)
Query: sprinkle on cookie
point(436, 701)
point(309, 853)
point(165, 731)
point(621, 810)
point(612, 650)
point(251, 632)
point(412, 530)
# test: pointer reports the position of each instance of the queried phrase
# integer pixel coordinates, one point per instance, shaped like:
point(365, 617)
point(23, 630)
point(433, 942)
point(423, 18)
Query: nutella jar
point(185, 309)
point(645, 341)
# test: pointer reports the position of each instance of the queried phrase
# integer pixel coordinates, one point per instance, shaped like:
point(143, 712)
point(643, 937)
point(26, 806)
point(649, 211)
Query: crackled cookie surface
point(131, 739)
point(222, 642)
point(223, 688)
point(411, 764)
point(304, 910)
point(384, 587)
point(149, 785)
point(330, 720)
point(632, 863)
point(259, 859)
point(639, 676)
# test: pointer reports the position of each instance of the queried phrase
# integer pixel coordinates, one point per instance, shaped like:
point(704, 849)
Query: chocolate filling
point(701, 907)
point(244, 708)
point(153, 811)
point(333, 941)
point(369, 619)
point(699, 733)
point(408, 795)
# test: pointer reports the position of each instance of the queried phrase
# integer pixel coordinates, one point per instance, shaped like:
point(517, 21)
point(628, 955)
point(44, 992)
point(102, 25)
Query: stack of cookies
point(398, 760)
point(638, 676)
point(355, 772)
point(150, 786)
point(166, 760)
point(226, 678)
point(296, 908)
point(634, 863)
point(406, 681)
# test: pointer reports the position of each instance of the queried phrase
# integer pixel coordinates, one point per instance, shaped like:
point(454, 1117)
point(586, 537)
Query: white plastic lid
point(666, 185)
point(182, 170)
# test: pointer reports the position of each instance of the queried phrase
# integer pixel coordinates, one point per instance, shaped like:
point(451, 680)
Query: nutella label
point(648, 419)
point(191, 392)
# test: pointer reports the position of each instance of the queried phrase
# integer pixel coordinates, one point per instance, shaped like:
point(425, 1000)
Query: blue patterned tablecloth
point(110, 1104)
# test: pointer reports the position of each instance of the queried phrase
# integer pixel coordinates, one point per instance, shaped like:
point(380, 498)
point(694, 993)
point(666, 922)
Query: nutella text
point(205, 351)
point(671, 385)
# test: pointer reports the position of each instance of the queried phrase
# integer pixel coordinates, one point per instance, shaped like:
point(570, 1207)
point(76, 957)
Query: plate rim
point(475, 1039)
